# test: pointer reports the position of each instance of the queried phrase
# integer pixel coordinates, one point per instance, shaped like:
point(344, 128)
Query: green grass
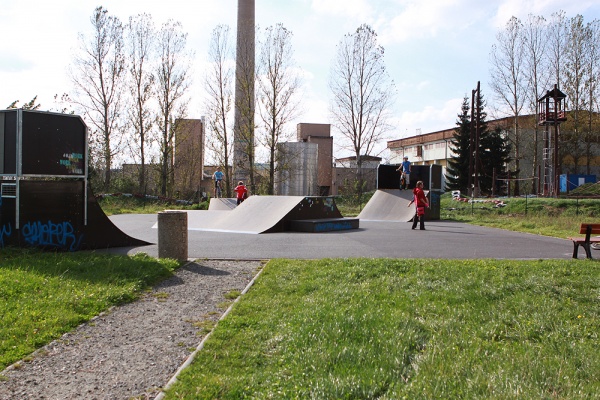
point(113, 205)
point(415, 329)
point(542, 216)
point(44, 295)
point(350, 205)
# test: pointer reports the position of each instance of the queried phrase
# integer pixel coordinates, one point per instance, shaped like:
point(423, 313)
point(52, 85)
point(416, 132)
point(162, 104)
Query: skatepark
point(373, 239)
point(261, 228)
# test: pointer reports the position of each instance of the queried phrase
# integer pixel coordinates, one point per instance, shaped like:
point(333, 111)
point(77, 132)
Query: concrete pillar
point(243, 127)
point(173, 235)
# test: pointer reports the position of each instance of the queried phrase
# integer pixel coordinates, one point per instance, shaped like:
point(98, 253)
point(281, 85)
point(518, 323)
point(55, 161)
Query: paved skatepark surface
point(442, 239)
point(388, 205)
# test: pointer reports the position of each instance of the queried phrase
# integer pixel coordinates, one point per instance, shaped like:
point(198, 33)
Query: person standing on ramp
point(405, 173)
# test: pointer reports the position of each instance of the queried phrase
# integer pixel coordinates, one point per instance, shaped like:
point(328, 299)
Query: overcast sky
point(435, 50)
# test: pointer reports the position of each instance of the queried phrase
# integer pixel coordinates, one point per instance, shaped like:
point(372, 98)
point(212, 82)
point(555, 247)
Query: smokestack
point(243, 132)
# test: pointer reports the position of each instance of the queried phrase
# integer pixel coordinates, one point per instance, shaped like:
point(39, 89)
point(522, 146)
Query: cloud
point(418, 19)
point(429, 119)
point(350, 8)
point(12, 62)
point(521, 8)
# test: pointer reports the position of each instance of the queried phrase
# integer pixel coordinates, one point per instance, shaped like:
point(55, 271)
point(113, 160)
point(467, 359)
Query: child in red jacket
point(241, 192)
point(421, 202)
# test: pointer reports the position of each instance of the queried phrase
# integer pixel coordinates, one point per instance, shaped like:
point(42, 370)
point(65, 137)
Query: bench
point(587, 241)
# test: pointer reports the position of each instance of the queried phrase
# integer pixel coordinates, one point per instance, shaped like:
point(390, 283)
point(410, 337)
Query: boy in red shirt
point(421, 202)
point(241, 192)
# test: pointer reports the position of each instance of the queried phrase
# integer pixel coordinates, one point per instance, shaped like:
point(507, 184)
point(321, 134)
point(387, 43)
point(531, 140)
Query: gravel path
point(133, 350)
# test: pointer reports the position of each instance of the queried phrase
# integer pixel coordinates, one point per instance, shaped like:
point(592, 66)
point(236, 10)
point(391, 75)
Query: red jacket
point(420, 198)
point(240, 190)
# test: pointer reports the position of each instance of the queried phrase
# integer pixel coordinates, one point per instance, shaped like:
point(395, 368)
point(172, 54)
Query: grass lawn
point(415, 329)
point(44, 295)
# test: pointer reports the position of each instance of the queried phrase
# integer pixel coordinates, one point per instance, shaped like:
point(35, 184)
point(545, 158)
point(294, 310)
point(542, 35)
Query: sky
point(435, 50)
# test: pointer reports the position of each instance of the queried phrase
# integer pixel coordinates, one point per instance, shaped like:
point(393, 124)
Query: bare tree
point(509, 80)
point(574, 81)
point(592, 87)
point(362, 93)
point(557, 34)
point(538, 75)
point(219, 86)
point(172, 82)
point(278, 84)
point(140, 46)
point(97, 73)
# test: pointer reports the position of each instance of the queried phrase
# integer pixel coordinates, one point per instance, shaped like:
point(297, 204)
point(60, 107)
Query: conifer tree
point(457, 173)
point(493, 153)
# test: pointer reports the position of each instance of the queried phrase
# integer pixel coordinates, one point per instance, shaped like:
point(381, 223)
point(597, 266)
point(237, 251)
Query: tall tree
point(218, 83)
point(574, 81)
point(362, 93)
point(592, 135)
point(172, 83)
point(97, 74)
point(140, 45)
point(509, 80)
point(493, 152)
point(538, 74)
point(557, 40)
point(457, 172)
point(278, 85)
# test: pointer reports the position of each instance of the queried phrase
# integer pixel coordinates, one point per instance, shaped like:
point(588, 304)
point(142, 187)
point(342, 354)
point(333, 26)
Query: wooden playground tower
point(551, 113)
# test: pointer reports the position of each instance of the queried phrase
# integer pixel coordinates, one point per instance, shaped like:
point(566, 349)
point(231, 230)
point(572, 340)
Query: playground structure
point(45, 198)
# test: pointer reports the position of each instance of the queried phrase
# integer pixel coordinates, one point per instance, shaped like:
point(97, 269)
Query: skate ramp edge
point(389, 205)
point(226, 204)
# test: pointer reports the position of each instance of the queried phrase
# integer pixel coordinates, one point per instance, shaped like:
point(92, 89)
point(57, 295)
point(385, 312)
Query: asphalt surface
point(441, 239)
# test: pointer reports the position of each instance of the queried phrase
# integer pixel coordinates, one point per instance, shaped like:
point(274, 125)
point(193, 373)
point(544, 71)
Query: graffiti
point(72, 162)
point(333, 226)
point(60, 235)
point(6, 231)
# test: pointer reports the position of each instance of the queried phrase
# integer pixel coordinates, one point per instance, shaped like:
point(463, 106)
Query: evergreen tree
point(457, 172)
point(494, 153)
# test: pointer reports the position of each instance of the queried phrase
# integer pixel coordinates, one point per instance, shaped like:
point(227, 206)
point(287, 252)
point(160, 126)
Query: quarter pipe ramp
point(389, 205)
point(262, 214)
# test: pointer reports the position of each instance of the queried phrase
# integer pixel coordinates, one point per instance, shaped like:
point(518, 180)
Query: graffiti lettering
point(72, 162)
point(6, 231)
point(60, 235)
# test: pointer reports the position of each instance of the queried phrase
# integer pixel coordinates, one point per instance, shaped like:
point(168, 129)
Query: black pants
point(420, 219)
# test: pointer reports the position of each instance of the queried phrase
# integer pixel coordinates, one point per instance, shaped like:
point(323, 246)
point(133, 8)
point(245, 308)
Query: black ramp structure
point(45, 199)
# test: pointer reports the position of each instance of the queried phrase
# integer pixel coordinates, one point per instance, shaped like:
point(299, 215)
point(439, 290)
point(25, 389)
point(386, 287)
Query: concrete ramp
point(389, 205)
point(222, 204)
point(262, 214)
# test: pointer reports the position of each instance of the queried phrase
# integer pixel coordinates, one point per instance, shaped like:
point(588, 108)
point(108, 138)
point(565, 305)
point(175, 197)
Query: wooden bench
point(586, 242)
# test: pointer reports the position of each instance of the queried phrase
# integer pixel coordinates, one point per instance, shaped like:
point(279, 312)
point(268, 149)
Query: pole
point(477, 128)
